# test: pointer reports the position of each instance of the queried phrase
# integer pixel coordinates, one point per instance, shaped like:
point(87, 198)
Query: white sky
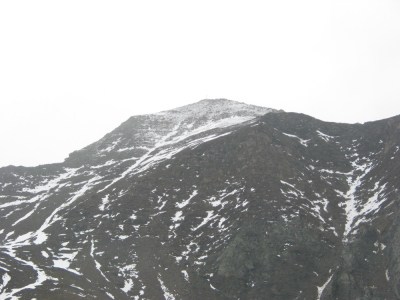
point(71, 71)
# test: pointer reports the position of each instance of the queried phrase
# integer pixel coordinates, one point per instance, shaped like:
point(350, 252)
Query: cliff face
point(215, 200)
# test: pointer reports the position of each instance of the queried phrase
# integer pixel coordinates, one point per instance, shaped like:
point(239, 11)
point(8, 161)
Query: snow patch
point(302, 141)
point(322, 288)
point(64, 261)
point(6, 279)
point(178, 217)
point(185, 275)
point(104, 201)
point(182, 204)
point(208, 218)
point(128, 285)
point(324, 136)
point(167, 294)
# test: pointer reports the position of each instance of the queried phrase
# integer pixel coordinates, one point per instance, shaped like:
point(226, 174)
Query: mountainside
point(214, 200)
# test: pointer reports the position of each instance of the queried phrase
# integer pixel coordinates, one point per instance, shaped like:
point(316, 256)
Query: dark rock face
point(215, 200)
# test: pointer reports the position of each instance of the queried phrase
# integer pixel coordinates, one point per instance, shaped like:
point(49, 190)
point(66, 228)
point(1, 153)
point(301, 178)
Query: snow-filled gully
point(351, 203)
point(355, 209)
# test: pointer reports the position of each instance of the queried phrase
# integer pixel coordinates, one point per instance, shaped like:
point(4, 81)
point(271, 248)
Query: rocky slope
point(215, 200)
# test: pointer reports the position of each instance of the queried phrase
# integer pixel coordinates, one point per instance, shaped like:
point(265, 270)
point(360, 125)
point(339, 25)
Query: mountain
point(214, 200)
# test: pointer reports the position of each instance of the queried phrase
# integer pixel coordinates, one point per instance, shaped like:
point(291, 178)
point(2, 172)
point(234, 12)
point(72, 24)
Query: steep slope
point(215, 200)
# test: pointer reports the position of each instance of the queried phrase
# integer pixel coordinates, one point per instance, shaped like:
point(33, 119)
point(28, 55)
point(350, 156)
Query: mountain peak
point(206, 117)
point(214, 109)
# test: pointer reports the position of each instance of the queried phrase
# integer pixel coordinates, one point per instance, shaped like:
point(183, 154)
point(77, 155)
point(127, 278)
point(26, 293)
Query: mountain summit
point(213, 200)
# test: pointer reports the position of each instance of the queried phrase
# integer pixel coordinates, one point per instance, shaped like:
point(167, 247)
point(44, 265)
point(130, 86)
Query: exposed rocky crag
point(214, 200)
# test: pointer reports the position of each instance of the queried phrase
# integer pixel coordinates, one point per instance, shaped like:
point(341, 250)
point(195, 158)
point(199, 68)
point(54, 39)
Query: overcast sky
point(71, 71)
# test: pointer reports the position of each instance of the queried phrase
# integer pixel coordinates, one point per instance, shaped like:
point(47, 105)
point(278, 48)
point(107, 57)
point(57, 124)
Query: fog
point(71, 71)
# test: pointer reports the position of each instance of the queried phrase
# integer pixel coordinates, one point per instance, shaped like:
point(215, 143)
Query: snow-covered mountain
point(214, 200)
